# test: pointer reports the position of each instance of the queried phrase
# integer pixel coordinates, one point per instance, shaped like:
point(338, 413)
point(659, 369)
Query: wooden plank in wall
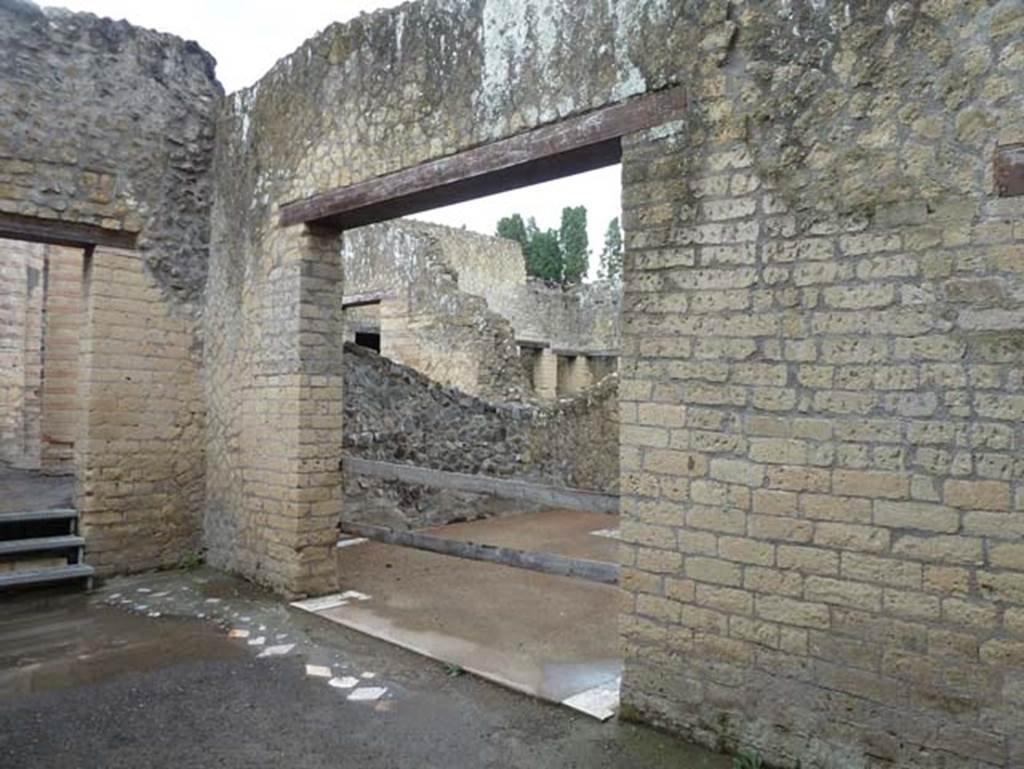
point(74, 234)
point(581, 143)
point(548, 563)
point(554, 496)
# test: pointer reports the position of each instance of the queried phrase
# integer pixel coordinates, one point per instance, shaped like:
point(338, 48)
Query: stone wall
point(821, 389)
point(436, 316)
point(821, 359)
point(40, 318)
point(22, 292)
point(111, 126)
point(140, 461)
point(586, 318)
point(61, 341)
point(395, 414)
point(433, 278)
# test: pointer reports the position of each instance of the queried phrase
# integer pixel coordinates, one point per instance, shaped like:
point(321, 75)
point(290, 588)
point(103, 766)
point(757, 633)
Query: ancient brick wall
point(61, 341)
point(821, 358)
point(111, 126)
point(140, 463)
point(821, 437)
point(22, 292)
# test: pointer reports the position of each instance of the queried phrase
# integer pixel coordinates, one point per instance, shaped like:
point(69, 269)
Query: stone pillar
point(297, 421)
point(545, 374)
point(577, 374)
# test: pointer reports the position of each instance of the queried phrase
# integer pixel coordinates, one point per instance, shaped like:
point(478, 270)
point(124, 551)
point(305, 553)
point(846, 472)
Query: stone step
point(45, 576)
point(39, 515)
point(39, 544)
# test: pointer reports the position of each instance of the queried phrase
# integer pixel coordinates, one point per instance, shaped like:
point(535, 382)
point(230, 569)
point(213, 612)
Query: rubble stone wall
point(393, 413)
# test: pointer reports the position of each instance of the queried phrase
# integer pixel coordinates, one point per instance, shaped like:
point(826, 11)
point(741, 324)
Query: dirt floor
point(144, 673)
point(23, 490)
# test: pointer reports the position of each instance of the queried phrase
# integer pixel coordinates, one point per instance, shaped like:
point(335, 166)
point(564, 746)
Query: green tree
point(611, 254)
point(513, 228)
point(544, 259)
point(573, 239)
point(542, 252)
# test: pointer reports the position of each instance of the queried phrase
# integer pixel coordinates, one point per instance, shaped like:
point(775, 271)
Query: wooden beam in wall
point(370, 297)
point(577, 144)
point(59, 233)
point(506, 488)
point(547, 563)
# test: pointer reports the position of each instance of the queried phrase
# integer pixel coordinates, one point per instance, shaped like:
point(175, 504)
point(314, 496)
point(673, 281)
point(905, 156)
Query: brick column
point(295, 418)
point(545, 374)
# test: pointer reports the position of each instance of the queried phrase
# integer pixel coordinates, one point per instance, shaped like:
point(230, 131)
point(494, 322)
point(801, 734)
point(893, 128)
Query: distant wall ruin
point(458, 306)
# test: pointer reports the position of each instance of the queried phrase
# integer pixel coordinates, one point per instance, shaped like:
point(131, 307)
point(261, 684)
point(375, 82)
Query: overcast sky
point(248, 36)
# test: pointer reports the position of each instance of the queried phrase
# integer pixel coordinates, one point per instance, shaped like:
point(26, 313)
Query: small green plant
point(748, 758)
point(191, 561)
point(452, 670)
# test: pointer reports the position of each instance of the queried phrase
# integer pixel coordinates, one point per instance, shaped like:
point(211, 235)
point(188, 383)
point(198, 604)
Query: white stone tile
point(321, 603)
point(601, 702)
point(343, 682)
point(367, 693)
point(276, 651)
point(318, 671)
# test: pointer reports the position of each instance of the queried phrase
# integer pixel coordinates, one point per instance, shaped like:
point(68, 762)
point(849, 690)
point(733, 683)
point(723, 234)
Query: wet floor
point(144, 673)
point(548, 636)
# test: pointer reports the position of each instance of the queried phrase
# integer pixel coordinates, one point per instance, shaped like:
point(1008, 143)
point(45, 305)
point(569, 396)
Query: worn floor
point(547, 636)
point(22, 490)
point(144, 673)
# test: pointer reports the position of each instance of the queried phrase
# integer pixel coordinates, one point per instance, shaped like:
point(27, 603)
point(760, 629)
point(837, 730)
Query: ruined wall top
point(839, 102)
point(108, 124)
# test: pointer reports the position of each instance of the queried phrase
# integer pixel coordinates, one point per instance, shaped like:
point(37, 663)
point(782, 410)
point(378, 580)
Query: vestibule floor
point(25, 490)
point(552, 637)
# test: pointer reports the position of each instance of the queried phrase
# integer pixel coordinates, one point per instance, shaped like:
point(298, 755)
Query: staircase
point(42, 547)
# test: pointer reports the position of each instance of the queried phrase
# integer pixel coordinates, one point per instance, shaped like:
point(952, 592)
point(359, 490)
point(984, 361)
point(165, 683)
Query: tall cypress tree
point(611, 254)
point(573, 238)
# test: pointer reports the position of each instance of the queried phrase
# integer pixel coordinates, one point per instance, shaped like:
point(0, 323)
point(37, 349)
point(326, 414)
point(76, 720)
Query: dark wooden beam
point(370, 297)
point(60, 233)
point(548, 563)
point(577, 144)
point(506, 488)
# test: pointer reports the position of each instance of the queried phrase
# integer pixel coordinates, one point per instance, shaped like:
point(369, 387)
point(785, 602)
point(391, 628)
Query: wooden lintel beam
point(369, 297)
point(577, 144)
point(60, 233)
point(548, 563)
